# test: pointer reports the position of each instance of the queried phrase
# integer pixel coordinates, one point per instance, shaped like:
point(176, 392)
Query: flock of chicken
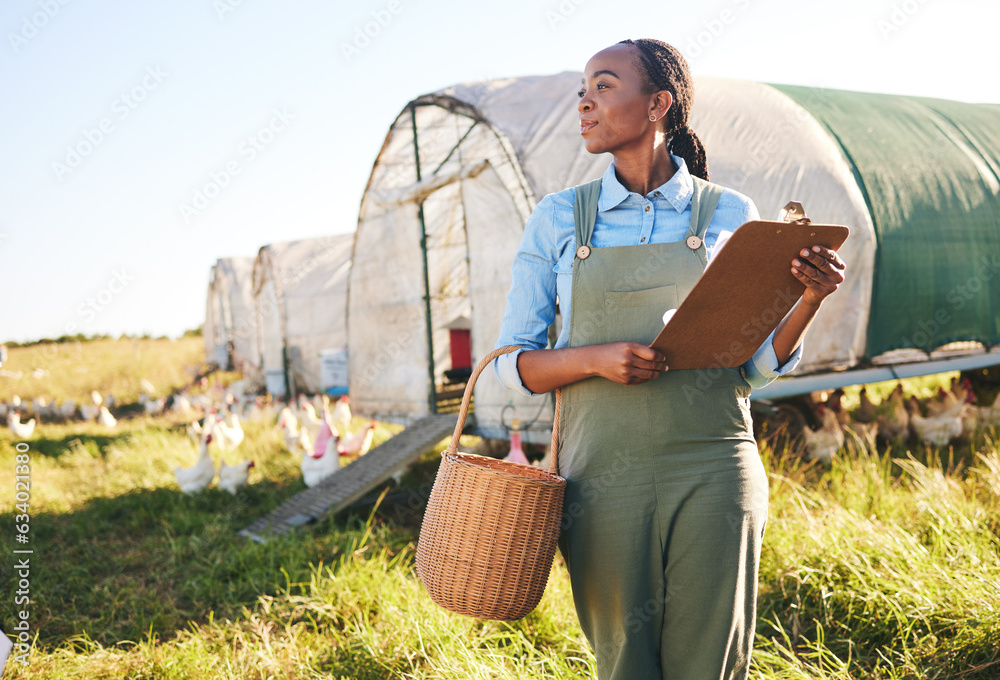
point(301, 427)
point(41, 408)
point(949, 417)
point(322, 440)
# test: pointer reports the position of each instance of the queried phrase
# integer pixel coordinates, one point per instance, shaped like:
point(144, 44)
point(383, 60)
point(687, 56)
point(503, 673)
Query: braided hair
point(663, 68)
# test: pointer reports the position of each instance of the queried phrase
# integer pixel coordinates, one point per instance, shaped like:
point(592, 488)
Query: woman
point(666, 498)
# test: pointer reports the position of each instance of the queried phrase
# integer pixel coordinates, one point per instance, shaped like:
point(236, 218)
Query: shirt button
point(656, 193)
point(647, 208)
point(642, 240)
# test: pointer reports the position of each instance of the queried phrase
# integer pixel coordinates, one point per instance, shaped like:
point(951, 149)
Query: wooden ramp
point(355, 480)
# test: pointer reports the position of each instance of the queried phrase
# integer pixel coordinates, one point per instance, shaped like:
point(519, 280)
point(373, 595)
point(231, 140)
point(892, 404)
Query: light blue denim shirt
point(543, 265)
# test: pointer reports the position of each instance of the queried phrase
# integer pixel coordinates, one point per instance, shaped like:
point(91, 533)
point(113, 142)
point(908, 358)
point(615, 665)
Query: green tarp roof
point(930, 172)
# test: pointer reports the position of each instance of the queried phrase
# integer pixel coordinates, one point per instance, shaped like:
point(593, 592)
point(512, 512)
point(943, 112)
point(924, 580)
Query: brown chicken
point(894, 419)
point(867, 411)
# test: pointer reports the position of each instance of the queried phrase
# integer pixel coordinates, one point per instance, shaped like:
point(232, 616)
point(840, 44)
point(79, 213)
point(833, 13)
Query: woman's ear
point(662, 101)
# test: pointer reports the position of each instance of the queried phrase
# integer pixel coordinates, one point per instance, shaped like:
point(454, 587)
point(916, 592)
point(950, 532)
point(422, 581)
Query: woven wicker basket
point(490, 529)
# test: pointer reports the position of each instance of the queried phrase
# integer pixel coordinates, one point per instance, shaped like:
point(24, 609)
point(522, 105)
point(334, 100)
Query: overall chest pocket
point(639, 313)
point(661, 297)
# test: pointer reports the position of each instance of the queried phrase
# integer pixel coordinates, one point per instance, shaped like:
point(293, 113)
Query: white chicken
point(20, 430)
point(359, 444)
point(295, 438)
point(287, 419)
point(90, 411)
point(42, 407)
point(199, 428)
point(323, 460)
point(232, 478)
point(936, 430)
point(152, 407)
point(201, 474)
point(195, 432)
point(259, 410)
point(199, 402)
point(230, 432)
point(305, 441)
point(309, 417)
point(823, 443)
point(943, 403)
point(105, 418)
point(68, 409)
point(342, 416)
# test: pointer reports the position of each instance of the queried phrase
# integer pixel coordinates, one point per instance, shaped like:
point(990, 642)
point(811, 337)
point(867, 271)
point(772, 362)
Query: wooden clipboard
point(742, 295)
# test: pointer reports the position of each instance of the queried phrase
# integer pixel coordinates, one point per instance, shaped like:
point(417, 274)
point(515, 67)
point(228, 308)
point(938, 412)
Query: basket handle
point(467, 400)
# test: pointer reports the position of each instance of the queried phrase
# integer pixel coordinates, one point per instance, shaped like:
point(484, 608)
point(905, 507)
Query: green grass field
point(108, 366)
point(886, 565)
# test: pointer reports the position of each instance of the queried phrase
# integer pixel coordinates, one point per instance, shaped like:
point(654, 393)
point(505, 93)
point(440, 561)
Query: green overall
point(666, 495)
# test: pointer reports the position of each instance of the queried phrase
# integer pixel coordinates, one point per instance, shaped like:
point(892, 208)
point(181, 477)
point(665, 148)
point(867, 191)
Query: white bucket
point(333, 371)
point(275, 382)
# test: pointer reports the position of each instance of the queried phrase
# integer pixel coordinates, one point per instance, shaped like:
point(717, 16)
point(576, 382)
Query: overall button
point(693, 242)
point(743, 372)
point(583, 252)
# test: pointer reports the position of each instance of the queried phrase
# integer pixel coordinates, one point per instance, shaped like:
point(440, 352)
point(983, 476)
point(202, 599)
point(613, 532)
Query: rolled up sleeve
point(762, 368)
point(506, 369)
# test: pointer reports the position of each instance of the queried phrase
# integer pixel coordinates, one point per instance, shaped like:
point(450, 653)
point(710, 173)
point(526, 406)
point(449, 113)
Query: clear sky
point(116, 114)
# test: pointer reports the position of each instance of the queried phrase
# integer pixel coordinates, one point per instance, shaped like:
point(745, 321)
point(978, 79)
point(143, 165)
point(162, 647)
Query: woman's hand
point(628, 363)
point(821, 270)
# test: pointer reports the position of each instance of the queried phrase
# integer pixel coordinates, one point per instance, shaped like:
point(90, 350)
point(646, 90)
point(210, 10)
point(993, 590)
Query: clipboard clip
point(794, 213)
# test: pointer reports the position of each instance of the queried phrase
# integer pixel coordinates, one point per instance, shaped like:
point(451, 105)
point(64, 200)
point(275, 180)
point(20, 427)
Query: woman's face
point(614, 111)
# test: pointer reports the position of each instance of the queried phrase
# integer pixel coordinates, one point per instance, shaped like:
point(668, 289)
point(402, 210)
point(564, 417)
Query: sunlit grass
point(70, 370)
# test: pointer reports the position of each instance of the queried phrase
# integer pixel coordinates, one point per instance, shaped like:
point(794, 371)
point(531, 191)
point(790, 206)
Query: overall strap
point(704, 200)
point(585, 211)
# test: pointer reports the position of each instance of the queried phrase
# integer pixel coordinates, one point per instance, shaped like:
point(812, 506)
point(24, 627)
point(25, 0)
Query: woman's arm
point(822, 271)
point(628, 363)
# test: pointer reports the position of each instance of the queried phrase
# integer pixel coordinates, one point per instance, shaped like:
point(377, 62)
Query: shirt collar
point(678, 189)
